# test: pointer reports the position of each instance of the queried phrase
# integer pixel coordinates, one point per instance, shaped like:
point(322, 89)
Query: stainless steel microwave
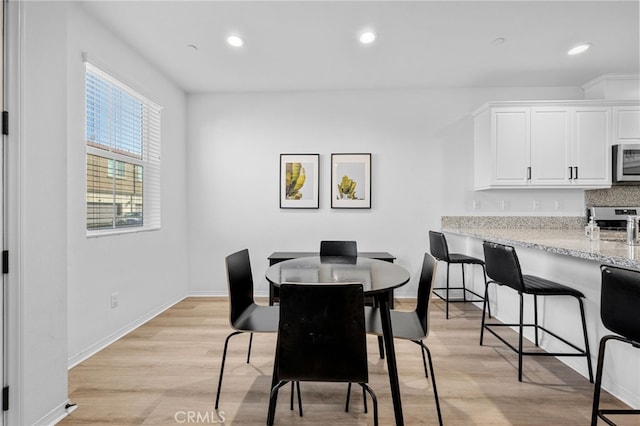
point(626, 163)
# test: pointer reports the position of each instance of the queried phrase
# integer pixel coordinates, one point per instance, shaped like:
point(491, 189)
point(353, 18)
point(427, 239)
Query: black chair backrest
point(425, 287)
point(438, 246)
point(240, 280)
point(339, 248)
point(503, 265)
point(321, 334)
point(619, 301)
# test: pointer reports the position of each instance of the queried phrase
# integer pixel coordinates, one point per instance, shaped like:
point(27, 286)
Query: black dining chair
point(344, 249)
point(413, 325)
point(348, 249)
point(619, 301)
point(245, 316)
point(503, 268)
point(339, 248)
point(440, 250)
point(321, 338)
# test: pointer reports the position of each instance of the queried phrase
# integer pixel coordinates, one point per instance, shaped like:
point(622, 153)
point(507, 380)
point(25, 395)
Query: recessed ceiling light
point(192, 47)
point(498, 41)
point(581, 48)
point(368, 37)
point(235, 41)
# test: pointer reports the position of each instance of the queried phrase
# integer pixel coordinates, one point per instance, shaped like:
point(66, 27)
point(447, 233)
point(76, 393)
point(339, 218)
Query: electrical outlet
point(476, 204)
point(115, 301)
point(505, 204)
point(536, 204)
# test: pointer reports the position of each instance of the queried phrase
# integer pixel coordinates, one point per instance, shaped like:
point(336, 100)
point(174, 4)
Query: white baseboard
point(103, 343)
point(54, 416)
point(207, 294)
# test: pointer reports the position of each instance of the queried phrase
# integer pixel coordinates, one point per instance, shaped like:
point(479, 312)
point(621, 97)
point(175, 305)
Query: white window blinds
point(123, 156)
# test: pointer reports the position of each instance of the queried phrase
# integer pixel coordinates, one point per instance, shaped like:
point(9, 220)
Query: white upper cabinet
point(544, 144)
point(626, 124)
point(510, 142)
point(591, 146)
point(502, 147)
point(550, 146)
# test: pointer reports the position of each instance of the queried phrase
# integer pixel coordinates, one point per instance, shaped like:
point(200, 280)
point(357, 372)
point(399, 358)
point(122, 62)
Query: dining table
point(378, 277)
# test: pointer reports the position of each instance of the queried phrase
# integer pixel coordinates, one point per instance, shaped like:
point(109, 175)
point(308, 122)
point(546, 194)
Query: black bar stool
point(440, 250)
point(619, 301)
point(503, 268)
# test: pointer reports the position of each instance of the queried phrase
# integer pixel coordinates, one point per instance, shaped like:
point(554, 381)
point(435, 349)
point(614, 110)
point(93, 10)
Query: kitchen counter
point(563, 255)
point(610, 249)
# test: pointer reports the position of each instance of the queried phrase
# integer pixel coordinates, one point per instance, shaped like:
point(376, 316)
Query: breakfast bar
point(566, 256)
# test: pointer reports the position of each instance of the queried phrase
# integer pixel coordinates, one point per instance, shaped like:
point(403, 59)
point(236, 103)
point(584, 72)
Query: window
point(117, 167)
point(123, 156)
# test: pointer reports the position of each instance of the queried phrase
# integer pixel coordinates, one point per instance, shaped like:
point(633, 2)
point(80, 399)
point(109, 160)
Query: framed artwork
point(351, 181)
point(299, 181)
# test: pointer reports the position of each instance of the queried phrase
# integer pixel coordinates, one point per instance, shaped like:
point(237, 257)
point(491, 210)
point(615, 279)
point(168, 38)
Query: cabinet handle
point(528, 173)
point(570, 172)
point(576, 172)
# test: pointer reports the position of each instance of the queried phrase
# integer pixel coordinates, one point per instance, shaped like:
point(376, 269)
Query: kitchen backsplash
point(622, 196)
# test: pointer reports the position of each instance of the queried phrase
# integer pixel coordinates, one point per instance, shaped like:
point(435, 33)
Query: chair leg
point(364, 400)
point(365, 387)
point(464, 286)
point(272, 402)
point(486, 293)
point(424, 359)
point(535, 317)
point(586, 339)
point(521, 329)
point(293, 394)
point(446, 302)
point(380, 341)
point(381, 347)
point(299, 398)
point(249, 351)
point(346, 406)
point(484, 309)
point(224, 357)
point(597, 387)
point(433, 383)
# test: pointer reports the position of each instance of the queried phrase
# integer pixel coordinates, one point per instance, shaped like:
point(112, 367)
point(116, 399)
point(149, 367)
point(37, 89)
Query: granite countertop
point(612, 247)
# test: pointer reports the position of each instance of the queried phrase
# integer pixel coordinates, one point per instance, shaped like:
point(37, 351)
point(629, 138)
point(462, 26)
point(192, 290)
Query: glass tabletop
point(375, 275)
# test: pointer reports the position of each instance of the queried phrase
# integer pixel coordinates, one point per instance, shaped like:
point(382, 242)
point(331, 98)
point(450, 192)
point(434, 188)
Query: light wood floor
point(168, 369)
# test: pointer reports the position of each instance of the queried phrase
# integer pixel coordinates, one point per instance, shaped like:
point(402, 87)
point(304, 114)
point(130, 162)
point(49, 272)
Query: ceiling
point(312, 45)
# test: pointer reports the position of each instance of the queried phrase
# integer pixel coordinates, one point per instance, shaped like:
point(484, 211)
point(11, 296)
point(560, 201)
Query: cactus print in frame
point(299, 181)
point(351, 181)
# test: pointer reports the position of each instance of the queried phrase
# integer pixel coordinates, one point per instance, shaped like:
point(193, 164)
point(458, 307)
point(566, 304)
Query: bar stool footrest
point(601, 414)
point(581, 352)
point(481, 299)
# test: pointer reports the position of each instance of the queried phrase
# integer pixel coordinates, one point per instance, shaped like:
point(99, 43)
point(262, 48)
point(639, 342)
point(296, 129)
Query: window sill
point(120, 231)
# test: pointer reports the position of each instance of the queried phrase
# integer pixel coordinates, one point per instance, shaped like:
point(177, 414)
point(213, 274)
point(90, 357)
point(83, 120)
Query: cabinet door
point(591, 148)
point(550, 145)
point(510, 139)
point(626, 124)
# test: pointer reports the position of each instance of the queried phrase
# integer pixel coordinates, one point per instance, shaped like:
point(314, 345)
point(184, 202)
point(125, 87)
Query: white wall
point(421, 143)
point(147, 269)
point(37, 191)
point(60, 281)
